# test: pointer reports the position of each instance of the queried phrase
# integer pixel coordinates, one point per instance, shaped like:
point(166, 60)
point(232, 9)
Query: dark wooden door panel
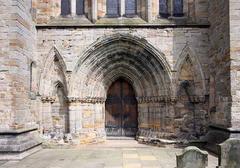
point(121, 110)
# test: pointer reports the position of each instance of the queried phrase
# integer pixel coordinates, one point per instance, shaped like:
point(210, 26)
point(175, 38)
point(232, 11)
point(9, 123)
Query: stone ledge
point(83, 21)
point(17, 131)
point(160, 26)
point(230, 130)
point(19, 156)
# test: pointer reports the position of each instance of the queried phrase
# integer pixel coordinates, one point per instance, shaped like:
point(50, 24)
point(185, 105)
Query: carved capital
point(194, 99)
point(91, 100)
point(197, 99)
point(48, 99)
point(156, 99)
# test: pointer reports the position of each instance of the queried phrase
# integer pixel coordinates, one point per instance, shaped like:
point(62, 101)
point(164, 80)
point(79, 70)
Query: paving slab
point(112, 154)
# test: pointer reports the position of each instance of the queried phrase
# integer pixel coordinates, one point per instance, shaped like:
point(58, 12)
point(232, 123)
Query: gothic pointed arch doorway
point(121, 117)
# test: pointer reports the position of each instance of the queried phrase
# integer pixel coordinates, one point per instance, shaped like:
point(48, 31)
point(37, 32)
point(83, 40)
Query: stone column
point(75, 116)
point(73, 7)
point(94, 10)
point(47, 113)
point(191, 10)
point(122, 7)
point(72, 128)
point(172, 8)
point(149, 10)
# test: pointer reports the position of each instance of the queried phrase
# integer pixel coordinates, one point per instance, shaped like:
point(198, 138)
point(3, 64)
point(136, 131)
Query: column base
point(217, 135)
point(17, 144)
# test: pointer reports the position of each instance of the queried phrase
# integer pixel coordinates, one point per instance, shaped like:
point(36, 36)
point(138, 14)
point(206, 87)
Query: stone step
point(120, 138)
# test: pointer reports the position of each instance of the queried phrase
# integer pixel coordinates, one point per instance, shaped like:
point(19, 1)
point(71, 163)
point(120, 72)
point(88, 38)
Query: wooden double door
point(121, 110)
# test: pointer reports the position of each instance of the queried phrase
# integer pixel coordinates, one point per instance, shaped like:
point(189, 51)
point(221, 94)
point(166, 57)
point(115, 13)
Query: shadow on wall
point(60, 111)
point(191, 116)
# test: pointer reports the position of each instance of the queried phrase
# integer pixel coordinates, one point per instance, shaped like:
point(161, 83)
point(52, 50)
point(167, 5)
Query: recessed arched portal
point(121, 109)
point(144, 70)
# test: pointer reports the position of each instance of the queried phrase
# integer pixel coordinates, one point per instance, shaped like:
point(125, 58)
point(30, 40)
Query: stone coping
point(17, 131)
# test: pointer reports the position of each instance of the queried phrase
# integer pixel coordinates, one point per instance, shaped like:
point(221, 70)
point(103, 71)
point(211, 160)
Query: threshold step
point(120, 138)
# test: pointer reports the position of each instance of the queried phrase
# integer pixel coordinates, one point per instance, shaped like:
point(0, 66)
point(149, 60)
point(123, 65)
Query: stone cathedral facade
point(90, 69)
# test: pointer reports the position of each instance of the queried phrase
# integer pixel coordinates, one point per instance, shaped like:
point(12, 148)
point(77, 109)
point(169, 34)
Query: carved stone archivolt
point(121, 55)
point(91, 100)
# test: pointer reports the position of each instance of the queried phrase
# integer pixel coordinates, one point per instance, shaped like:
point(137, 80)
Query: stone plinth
point(17, 144)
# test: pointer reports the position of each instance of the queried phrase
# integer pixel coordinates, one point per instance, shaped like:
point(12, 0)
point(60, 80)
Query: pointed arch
point(53, 62)
point(139, 41)
point(122, 55)
point(58, 84)
point(60, 107)
point(189, 55)
point(54, 55)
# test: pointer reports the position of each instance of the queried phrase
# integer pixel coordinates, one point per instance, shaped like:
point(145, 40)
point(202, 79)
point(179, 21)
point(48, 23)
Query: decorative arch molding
point(140, 41)
point(188, 52)
point(121, 55)
point(136, 84)
point(59, 84)
point(53, 57)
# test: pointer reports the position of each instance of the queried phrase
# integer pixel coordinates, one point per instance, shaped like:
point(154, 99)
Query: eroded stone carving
point(156, 99)
point(92, 100)
point(50, 99)
point(192, 157)
point(230, 154)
